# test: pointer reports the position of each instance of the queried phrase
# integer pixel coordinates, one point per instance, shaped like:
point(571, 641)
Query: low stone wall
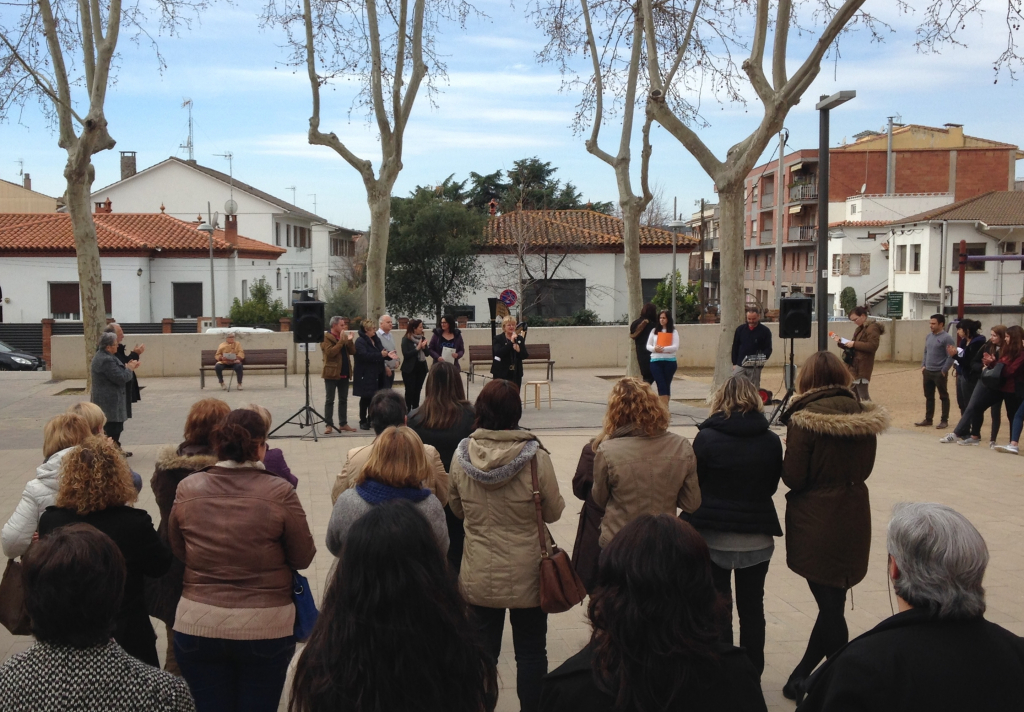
point(571, 347)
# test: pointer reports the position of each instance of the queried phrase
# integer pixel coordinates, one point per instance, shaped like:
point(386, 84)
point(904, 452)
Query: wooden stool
point(536, 391)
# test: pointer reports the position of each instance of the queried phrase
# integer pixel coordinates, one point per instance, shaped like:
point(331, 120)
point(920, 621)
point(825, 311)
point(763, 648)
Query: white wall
point(892, 207)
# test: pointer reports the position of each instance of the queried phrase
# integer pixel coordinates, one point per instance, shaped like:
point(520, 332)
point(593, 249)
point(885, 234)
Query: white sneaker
point(238, 387)
point(970, 441)
point(1009, 449)
point(992, 445)
point(223, 387)
point(949, 438)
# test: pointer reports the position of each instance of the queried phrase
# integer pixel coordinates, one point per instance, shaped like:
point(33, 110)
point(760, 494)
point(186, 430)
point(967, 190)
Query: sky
point(496, 105)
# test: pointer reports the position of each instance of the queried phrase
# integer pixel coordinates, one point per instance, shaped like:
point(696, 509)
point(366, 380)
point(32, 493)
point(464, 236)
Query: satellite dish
point(216, 220)
point(230, 207)
point(863, 187)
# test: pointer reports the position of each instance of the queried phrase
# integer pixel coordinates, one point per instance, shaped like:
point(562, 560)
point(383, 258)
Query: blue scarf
point(374, 492)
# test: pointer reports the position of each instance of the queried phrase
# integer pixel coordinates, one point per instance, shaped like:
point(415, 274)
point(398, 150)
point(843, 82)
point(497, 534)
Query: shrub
point(259, 309)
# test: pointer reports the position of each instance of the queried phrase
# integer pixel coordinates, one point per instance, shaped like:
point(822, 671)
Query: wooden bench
point(255, 360)
point(538, 354)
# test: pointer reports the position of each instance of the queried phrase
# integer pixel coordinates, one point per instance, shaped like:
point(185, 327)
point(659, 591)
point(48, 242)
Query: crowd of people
point(439, 530)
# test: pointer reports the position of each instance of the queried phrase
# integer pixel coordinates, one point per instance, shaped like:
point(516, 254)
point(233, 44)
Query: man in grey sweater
point(390, 366)
point(934, 369)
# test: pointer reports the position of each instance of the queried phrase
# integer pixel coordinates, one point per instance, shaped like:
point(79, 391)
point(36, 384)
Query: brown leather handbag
point(560, 586)
point(13, 614)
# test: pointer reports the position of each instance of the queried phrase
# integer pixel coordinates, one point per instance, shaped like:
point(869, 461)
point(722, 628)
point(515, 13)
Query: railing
point(710, 245)
point(804, 191)
point(768, 199)
point(765, 238)
point(804, 233)
point(711, 274)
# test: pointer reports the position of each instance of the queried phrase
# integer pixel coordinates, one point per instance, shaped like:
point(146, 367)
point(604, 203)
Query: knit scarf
point(498, 474)
point(374, 492)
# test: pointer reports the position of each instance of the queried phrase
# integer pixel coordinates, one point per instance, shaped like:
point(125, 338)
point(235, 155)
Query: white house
point(187, 190)
point(154, 267)
point(562, 261)
point(858, 246)
point(924, 249)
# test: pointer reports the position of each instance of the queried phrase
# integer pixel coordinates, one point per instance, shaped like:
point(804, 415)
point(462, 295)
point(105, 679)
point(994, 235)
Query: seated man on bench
point(230, 354)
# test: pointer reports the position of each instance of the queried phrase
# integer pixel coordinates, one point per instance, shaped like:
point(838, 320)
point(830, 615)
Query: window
point(461, 310)
point(853, 208)
point(648, 287)
point(188, 300)
point(340, 247)
point(837, 265)
point(288, 235)
point(853, 265)
point(64, 300)
point(555, 297)
point(245, 291)
point(757, 262)
point(277, 234)
point(810, 261)
point(901, 259)
point(279, 279)
point(973, 249)
point(915, 258)
point(768, 261)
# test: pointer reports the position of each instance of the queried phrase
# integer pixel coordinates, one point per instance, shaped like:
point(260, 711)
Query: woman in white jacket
point(61, 434)
point(663, 354)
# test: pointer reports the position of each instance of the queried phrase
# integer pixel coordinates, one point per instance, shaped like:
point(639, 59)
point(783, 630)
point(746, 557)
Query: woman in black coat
point(368, 368)
point(640, 331)
point(509, 351)
point(96, 488)
point(739, 464)
point(586, 552)
point(414, 362)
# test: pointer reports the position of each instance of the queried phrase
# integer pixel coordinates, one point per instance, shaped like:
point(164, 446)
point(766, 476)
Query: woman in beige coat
point(640, 467)
point(492, 490)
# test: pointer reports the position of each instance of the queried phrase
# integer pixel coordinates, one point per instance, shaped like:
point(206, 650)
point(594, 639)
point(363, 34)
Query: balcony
point(766, 238)
point(710, 245)
point(768, 198)
point(804, 191)
point(711, 274)
point(803, 233)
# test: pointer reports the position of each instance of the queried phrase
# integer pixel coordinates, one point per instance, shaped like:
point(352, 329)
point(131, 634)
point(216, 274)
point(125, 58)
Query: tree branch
point(377, 92)
point(754, 65)
point(591, 144)
point(88, 41)
point(60, 73)
point(41, 82)
point(782, 20)
point(681, 52)
point(797, 85)
point(317, 138)
point(684, 134)
point(396, 80)
point(645, 162)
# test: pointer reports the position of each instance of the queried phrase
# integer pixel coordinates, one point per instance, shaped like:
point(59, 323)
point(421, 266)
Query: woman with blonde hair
point(397, 469)
point(739, 463)
point(509, 350)
point(60, 434)
point(639, 466)
point(92, 413)
point(96, 488)
point(831, 441)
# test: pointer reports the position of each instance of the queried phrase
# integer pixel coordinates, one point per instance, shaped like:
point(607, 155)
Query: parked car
point(238, 330)
point(13, 360)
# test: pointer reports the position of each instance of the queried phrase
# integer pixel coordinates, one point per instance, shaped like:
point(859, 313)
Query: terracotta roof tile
point(119, 232)
point(860, 223)
point(996, 208)
point(582, 229)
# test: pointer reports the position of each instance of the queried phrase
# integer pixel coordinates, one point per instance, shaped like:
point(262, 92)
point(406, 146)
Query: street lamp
point(826, 104)
point(675, 225)
point(208, 229)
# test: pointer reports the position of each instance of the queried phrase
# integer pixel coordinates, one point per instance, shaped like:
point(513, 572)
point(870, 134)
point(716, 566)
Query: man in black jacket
point(751, 339)
point(938, 653)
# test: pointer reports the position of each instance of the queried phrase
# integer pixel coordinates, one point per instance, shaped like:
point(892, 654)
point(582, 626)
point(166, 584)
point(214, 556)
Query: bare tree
point(387, 51)
point(60, 53)
point(714, 24)
point(657, 213)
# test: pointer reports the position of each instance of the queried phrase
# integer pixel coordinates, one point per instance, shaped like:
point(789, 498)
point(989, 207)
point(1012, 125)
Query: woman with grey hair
point(109, 378)
point(938, 653)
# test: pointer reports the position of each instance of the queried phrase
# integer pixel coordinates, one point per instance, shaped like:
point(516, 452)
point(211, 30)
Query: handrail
point(876, 290)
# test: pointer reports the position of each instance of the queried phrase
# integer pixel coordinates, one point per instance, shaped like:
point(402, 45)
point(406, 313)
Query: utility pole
point(890, 168)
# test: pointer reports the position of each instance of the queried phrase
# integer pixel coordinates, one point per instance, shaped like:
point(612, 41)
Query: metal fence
point(27, 338)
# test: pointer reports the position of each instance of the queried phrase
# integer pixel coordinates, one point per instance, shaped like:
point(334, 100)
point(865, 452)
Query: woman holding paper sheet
point(447, 344)
point(860, 351)
point(663, 343)
point(369, 368)
point(509, 350)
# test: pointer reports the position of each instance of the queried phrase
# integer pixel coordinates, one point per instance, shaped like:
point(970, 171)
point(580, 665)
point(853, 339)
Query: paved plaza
point(985, 486)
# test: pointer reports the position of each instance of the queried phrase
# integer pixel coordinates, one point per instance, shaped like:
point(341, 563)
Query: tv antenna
point(314, 201)
point(188, 145)
point(230, 207)
point(21, 166)
point(292, 189)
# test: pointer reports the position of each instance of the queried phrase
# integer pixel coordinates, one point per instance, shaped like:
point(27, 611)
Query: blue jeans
point(219, 370)
point(234, 675)
point(529, 638)
point(663, 371)
point(1018, 423)
point(339, 386)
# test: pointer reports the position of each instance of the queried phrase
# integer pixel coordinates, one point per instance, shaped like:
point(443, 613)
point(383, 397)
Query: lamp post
point(208, 229)
point(675, 225)
point(826, 104)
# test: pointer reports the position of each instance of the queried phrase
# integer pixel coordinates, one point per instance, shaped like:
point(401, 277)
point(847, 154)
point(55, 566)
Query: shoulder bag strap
point(536, 502)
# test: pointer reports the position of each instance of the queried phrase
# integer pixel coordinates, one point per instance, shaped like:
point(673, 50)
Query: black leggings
point(749, 606)
point(364, 406)
point(829, 633)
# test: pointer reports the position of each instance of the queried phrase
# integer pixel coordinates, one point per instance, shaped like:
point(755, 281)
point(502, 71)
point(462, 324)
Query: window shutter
point(64, 299)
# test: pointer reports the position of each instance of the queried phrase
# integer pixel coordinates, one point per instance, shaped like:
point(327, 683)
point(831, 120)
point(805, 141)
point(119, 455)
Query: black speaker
point(307, 322)
point(795, 318)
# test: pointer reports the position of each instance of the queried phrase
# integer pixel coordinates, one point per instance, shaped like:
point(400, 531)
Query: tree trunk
point(631, 245)
point(79, 173)
point(379, 199)
point(733, 293)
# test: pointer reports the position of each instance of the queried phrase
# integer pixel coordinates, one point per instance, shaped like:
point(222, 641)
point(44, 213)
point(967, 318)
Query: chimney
point(231, 229)
point(27, 182)
point(127, 164)
point(104, 207)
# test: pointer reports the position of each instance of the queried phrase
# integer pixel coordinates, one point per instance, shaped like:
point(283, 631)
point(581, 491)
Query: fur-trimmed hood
point(169, 459)
point(835, 411)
